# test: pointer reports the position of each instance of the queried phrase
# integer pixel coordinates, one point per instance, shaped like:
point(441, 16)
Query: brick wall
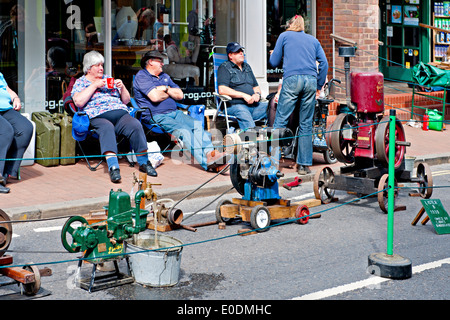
point(324, 27)
point(357, 21)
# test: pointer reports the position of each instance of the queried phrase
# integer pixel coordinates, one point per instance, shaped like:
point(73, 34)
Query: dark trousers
point(118, 122)
point(15, 135)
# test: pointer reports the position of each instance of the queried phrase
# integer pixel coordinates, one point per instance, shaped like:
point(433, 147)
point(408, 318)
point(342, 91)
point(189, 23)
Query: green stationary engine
point(105, 240)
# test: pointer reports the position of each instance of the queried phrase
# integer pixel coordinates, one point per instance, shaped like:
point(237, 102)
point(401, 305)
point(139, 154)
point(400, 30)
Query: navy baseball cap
point(234, 47)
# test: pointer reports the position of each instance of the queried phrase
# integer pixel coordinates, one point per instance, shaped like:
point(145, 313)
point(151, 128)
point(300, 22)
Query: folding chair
point(72, 109)
point(221, 100)
point(195, 111)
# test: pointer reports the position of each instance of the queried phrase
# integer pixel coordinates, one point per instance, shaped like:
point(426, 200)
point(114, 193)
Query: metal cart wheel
point(302, 211)
point(383, 196)
point(5, 232)
point(219, 217)
point(425, 180)
point(260, 218)
point(322, 180)
point(30, 289)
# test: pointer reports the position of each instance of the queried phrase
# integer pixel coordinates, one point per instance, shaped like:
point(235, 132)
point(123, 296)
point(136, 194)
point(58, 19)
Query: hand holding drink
point(110, 83)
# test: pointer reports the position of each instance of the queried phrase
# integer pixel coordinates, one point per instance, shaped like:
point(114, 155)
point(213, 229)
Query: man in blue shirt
point(155, 92)
point(235, 79)
point(302, 80)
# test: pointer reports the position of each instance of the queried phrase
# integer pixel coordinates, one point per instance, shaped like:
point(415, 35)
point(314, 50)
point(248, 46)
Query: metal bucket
point(160, 268)
point(409, 163)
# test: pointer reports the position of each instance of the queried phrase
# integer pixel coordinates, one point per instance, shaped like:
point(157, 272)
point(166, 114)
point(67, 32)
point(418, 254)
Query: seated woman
point(108, 114)
point(15, 134)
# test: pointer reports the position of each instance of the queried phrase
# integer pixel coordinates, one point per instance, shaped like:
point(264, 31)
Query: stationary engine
point(254, 173)
point(104, 240)
point(359, 137)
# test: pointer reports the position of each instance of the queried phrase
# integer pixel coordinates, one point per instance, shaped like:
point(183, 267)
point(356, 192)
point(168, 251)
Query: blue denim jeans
point(191, 132)
point(296, 87)
point(247, 115)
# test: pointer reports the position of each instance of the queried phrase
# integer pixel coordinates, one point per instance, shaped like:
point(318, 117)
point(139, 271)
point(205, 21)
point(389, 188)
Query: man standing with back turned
point(302, 80)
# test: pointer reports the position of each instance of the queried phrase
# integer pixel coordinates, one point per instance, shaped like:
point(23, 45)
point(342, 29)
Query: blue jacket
point(299, 52)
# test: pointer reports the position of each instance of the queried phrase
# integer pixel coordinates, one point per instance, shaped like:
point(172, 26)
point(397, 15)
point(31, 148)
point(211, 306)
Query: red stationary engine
point(361, 136)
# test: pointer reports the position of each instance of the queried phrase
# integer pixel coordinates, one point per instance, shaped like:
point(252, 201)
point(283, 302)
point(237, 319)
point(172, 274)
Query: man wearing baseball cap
point(235, 78)
point(155, 92)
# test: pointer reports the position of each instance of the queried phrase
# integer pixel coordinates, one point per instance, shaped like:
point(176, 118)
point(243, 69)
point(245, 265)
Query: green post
point(391, 183)
point(389, 265)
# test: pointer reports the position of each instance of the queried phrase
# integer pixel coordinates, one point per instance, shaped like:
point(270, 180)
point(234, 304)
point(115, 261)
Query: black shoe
point(3, 189)
point(2, 180)
point(148, 168)
point(114, 174)
point(303, 170)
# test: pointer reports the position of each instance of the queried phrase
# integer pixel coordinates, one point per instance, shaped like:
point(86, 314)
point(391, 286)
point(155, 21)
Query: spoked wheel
point(68, 229)
point(302, 211)
point(30, 289)
point(5, 232)
point(382, 142)
point(219, 217)
point(425, 180)
point(322, 181)
point(383, 186)
point(260, 218)
point(343, 137)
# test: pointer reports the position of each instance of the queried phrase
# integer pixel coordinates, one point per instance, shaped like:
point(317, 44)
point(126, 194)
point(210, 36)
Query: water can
point(435, 119)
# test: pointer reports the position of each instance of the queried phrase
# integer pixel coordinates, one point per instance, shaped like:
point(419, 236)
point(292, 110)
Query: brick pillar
point(358, 21)
point(324, 27)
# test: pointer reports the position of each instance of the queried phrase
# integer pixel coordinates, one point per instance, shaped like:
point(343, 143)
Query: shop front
point(404, 41)
point(43, 41)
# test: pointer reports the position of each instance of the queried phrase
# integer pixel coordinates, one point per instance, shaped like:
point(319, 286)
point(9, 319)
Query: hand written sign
point(437, 215)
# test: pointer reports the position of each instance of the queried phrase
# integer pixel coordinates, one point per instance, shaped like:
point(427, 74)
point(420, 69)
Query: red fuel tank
point(367, 91)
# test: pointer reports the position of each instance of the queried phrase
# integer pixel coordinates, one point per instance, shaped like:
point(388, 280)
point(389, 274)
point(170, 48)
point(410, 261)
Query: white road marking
point(48, 229)
point(374, 280)
point(303, 196)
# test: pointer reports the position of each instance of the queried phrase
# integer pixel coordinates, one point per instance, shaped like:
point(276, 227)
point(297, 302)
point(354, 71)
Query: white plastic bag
point(154, 154)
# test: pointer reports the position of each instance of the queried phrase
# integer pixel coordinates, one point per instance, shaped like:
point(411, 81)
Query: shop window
point(61, 32)
point(278, 13)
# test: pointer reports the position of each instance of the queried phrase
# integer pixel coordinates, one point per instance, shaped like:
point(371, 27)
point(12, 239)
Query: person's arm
point(277, 53)
point(124, 93)
point(161, 93)
point(82, 98)
point(322, 68)
point(14, 98)
point(224, 90)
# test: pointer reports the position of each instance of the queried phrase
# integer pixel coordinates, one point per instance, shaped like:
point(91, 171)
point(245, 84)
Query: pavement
point(47, 192)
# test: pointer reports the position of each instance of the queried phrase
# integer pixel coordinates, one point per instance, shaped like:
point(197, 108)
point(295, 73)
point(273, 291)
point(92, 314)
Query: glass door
point(405, 42)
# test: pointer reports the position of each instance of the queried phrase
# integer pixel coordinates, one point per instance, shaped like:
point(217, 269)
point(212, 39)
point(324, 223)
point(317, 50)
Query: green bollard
point(389, 265)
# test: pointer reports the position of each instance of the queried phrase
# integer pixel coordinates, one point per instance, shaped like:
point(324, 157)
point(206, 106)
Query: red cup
point(110, 83)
